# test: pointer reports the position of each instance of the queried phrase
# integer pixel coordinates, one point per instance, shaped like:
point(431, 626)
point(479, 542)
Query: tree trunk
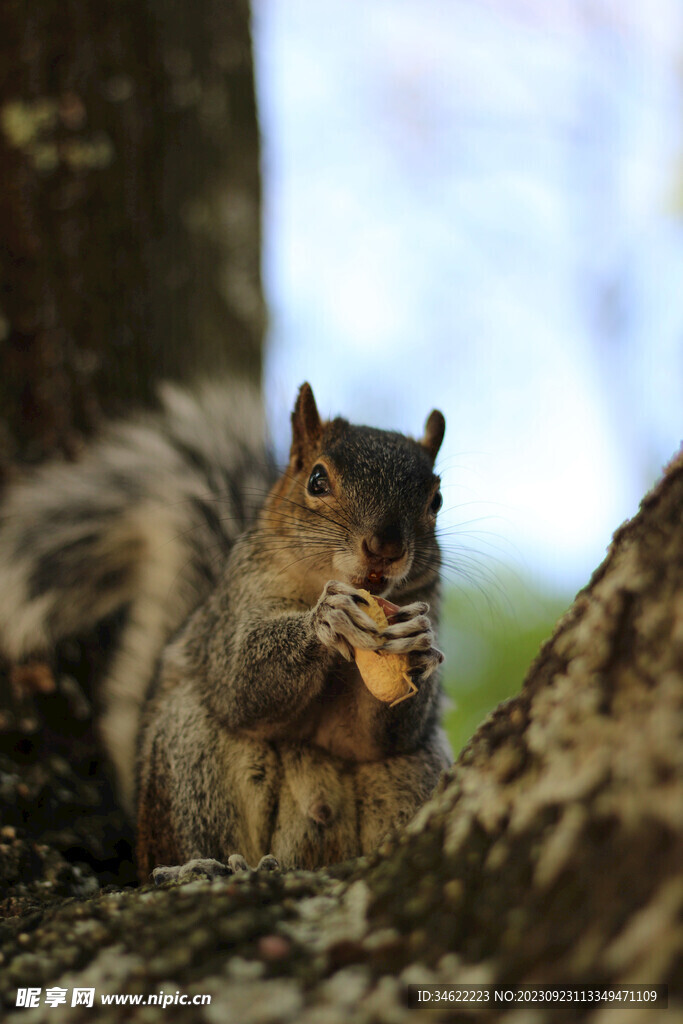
point(555, 849)
point(129, 208)
point(552, 853)
point(129, 252)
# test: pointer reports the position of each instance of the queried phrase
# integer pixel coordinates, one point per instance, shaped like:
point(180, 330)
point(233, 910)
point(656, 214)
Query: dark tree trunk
point(129, 252)
point(129, 208)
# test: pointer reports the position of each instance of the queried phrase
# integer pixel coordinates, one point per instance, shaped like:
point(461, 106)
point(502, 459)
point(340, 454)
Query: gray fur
point(258, 736)
point(139, 522)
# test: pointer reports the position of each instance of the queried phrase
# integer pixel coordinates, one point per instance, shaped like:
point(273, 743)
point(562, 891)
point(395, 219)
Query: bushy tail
point(143, 522)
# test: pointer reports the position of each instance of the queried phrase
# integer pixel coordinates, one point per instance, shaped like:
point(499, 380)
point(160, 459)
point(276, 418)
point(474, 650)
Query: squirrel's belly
point(346, 726)
point(316, 818)
point(345, 738)
point(339, 741)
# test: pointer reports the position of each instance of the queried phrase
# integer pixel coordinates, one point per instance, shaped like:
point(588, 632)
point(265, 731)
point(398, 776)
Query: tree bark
point(129, 208)
point(129, 252)
point(557, 841)
point(552, 853)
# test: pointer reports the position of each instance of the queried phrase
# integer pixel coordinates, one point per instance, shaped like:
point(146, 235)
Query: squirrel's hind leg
point(316, 820)
point(204, 794)
point(390, 792)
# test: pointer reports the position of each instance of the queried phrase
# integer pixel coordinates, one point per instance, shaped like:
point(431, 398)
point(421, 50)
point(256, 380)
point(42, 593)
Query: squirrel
point(236, 722)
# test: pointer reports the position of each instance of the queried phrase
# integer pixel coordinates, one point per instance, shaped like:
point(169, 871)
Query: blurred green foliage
point(490, 640)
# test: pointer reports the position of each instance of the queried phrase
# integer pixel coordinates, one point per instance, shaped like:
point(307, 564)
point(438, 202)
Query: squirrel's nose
point(386, 543)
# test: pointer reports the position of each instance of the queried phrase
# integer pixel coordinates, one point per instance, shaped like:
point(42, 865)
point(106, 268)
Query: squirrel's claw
point(409, 631)
point(410, 611)
point(199, 867)
point(412, 635)
point(423, 663)
point(236, 862)
point(341, 623)
point(207, 867)
point(268, 863)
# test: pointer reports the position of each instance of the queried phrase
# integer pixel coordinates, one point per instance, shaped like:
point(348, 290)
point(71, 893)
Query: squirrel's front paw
point(410, 630)
point(423, 663)
point(411, 633)
point(340, 622)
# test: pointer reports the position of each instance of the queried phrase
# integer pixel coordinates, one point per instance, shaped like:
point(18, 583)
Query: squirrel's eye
point(436, 503)
point(318, 481)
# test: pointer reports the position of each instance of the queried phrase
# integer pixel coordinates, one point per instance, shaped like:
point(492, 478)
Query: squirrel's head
point(363, 502)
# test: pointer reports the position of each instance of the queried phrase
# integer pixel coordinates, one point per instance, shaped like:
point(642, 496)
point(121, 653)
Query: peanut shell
point(385, 675)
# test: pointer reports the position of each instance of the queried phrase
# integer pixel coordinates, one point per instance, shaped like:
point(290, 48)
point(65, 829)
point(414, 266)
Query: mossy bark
point(129, 208)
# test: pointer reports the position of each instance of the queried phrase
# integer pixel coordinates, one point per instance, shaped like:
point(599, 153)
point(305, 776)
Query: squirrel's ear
point(306, 424)
point(434, 431)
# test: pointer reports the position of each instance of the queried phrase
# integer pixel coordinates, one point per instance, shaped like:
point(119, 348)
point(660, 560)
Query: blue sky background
point(479, 206)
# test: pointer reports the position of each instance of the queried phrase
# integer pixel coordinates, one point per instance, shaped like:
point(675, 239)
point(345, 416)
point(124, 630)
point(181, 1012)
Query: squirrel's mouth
point(374, 582)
